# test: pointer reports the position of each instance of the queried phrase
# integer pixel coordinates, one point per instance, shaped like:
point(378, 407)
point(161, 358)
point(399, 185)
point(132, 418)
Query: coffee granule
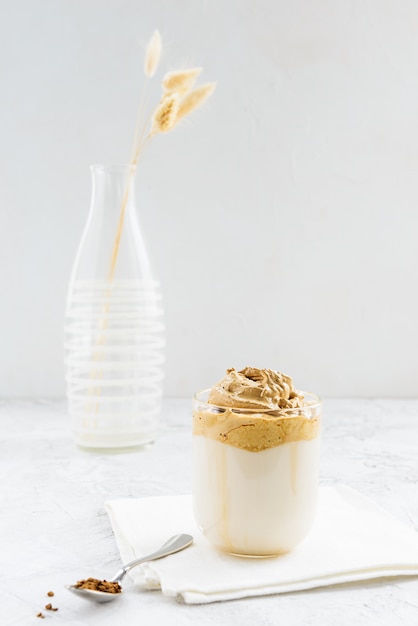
point(50, 594)
point(49, 607)
point(98, 585)
point(41, 615)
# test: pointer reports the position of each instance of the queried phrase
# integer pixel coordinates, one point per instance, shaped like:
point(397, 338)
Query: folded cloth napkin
point(352, 539)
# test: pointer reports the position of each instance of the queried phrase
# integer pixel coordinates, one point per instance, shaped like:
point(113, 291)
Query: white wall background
point(282, 221)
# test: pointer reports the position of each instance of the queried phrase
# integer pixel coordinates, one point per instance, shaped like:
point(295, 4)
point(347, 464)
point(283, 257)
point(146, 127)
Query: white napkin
point(352, 539)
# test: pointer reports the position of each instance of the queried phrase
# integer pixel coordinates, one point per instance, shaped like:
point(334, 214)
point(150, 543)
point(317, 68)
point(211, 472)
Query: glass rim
point(112, 167)
point(315, 404)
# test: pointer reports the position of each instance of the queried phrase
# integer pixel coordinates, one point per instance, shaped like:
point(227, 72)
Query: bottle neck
point(112, 248)
point(113, 186)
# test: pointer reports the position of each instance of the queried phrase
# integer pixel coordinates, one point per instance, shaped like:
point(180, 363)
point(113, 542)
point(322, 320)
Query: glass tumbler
point(255, 475)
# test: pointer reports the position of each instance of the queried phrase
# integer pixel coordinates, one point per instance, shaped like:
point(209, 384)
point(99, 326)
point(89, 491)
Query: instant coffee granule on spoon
point(98, 585)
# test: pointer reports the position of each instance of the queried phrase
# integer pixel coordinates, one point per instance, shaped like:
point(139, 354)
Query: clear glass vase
point(114, 329)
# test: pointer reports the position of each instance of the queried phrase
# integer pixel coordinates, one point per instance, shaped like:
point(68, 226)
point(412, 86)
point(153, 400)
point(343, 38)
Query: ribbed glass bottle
point(114, 329)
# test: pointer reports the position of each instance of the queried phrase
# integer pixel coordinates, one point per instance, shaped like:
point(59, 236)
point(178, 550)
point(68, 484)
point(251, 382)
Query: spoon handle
point(175, 544)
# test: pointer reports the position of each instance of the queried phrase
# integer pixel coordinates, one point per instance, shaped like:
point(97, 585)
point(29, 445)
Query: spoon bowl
point(94, 596)
point(174, 544)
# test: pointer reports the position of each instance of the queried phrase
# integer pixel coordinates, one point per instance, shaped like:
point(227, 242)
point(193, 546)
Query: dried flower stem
point(178, 101)
point(118, 236)
point(152, 58)
point(138, 124)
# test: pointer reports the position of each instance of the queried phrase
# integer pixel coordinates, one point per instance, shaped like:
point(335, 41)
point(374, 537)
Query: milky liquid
point(255, 503)
point(114, 362)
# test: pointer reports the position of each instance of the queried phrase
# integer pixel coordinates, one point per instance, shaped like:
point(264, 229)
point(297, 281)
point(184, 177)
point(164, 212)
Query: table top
point(55, 529)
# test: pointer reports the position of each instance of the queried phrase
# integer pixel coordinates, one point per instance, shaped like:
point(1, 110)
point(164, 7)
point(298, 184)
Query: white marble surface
point(54, 529)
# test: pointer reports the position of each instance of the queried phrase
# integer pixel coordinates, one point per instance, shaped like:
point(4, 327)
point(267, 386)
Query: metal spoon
point(175, 544)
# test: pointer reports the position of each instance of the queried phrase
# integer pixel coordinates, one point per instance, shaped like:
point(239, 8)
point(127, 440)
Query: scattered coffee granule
point(98, 585)
point(50, 594)
point(49, 607)
point(41, 615)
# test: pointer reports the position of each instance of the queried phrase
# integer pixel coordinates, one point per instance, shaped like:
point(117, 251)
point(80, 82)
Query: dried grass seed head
point(180, 81)
point(194, 99)
point(153, 54)
point(165, 115)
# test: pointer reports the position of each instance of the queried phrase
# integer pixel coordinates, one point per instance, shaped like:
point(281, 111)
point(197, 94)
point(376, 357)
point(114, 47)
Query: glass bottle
point(114, 329)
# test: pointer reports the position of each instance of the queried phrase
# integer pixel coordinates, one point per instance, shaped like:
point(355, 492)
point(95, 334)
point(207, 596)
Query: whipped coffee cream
point(252, 388)
point(256, 456)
